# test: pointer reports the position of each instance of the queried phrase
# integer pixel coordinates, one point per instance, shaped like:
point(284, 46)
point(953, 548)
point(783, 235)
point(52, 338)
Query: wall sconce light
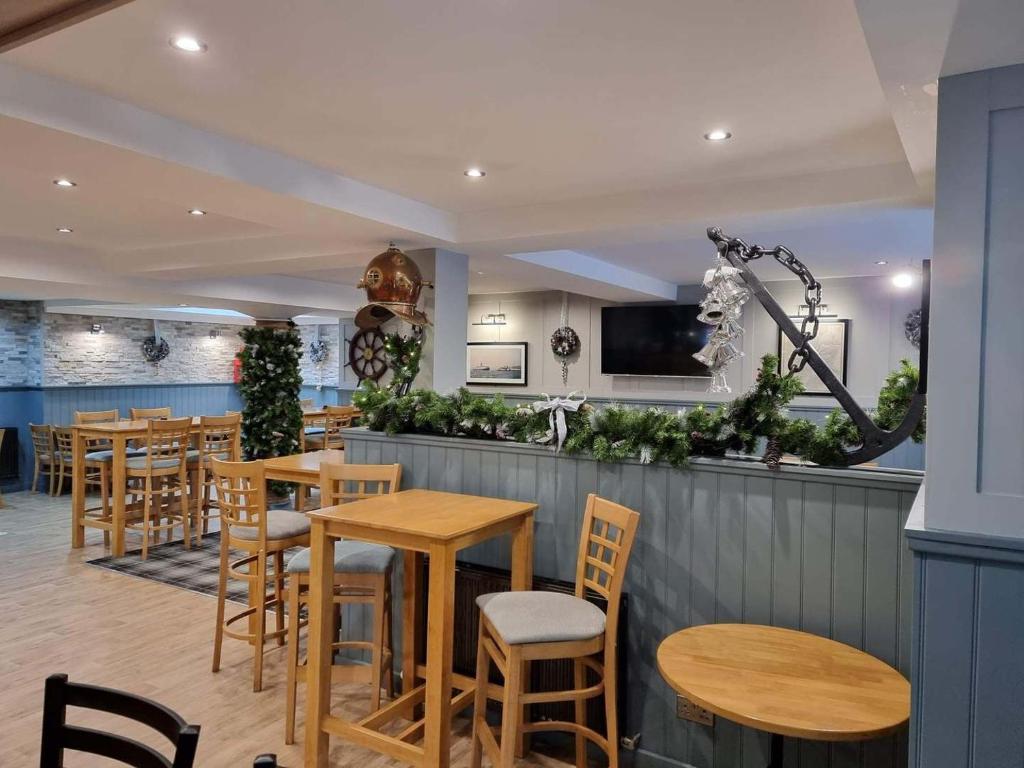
point(214, 333)
point(803, 309)
point(96, 328)
point(492, 318)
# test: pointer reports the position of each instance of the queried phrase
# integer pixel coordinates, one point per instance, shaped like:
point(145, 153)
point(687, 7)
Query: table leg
point(120, 446)
point(318, 664)
point(77, 490)
point(412, 606)
point(522, 579)
point(777, 749)
point(437, 728)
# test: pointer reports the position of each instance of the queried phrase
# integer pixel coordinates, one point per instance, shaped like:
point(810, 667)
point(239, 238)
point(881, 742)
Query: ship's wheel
point(366, 354)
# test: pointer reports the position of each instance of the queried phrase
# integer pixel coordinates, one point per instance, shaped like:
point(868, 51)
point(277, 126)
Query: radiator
point(9, 467)
point(472, 581)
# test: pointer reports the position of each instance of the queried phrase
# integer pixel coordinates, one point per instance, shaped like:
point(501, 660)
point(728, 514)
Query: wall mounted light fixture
point(801, 311)
point(214, 333)
point(492, 318)
point(96, 328)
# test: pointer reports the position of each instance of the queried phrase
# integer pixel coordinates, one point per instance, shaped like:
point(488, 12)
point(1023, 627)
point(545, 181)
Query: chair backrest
point(339, 417)
point(605, 544)
point(150, 413)
point(306, 404)
point(63, 441)
point(96, 417)
point(167, 439)
point(340, 483)
point(42, 439)
point(241, 494)
point(265, 761)
point(218, 436)
point(58, 736)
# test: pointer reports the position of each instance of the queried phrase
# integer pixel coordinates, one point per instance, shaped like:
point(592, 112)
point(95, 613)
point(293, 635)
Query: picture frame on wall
point(831, 343)
point(496, 363)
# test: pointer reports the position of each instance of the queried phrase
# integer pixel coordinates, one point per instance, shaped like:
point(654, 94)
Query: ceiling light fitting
point(66, 183)
point(197, 211)
point(188, 44)
point(903, 279)
point(881, 262)
point(95, 328)
point(475, 173)
point(65, 230)
point(718, 134)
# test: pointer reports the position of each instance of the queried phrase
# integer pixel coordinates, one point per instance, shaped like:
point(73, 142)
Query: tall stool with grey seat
point(519, 627)
point(218, 439)
point(362, 574)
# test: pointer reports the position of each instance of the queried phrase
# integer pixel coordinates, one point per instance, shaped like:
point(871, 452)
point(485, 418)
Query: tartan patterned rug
point(195, 570)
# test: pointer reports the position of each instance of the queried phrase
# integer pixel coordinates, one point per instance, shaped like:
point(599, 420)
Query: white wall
point(876, 341)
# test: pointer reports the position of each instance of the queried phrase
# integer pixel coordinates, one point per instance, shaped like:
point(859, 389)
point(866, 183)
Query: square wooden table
point(301, 468)
point(118, 433)
point(419, 522)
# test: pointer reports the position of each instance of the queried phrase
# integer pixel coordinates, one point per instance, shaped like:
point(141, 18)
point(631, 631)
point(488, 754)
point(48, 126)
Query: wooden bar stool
point(45, 461)
point(338, 417)
point(63, 446)
point(362, 574)
point(518, 627)
point(247, 525)
point(218, 439)
point(161, 472)
point(99, 460)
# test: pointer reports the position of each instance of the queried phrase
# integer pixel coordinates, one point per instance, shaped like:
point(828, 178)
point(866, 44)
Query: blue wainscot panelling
point(20, 406)
point(810, 548)
point(326, 395)
point(60, 403)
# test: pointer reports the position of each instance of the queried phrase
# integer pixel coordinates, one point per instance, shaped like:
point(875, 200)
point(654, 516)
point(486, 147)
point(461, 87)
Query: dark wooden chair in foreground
point(58, 736)
point(519, 627)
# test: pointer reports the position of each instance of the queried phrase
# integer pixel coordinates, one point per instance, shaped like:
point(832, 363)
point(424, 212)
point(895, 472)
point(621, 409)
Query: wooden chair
point(59, 737)
point(218, 438)
point(519, 627)
point(362, 575)
point(161, 472)
point(150, 413)
point(45, 461)
point(306, 403)
point(63, 446)
point(99, 459)
point(247, 525)
point(338, 417)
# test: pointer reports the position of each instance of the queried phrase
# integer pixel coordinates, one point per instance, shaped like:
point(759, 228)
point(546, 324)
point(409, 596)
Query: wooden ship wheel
point(366, 354)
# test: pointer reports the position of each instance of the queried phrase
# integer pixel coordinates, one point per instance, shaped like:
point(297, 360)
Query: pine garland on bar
point(269, 386)
point(403, 354)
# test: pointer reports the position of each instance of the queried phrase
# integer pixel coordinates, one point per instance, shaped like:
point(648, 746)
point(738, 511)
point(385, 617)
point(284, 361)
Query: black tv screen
point(653, 340)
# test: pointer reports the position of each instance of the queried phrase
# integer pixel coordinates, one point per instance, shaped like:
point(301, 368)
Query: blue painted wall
point(20, 406)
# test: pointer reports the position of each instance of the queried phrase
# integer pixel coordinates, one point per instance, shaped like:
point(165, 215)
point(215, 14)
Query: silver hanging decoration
point(722, 308)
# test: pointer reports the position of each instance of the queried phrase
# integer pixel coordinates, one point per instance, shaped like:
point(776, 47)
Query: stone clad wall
point(20, 343)
point(320, 375)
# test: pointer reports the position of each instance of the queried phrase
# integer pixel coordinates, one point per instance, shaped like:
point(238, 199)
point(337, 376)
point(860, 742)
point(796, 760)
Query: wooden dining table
point(785, 682)
point(420, 522)
point(301, 468)
point(118, 434)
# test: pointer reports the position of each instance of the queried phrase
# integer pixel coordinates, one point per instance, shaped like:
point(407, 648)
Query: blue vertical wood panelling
point(811, 549)
point(60, 403)
point(20, 406)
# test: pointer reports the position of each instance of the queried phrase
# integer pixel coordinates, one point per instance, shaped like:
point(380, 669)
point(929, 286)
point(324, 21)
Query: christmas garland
point(618, 433)
point(403, 354)
point(319, 351)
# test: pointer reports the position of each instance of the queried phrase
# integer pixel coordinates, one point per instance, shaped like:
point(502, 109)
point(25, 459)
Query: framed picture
point(496, 363)
point(832, 343)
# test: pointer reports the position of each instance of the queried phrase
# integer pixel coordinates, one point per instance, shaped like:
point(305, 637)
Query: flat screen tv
point(652, 340)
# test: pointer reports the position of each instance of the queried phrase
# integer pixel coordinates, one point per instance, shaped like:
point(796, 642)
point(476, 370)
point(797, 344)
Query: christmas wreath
point(912, 327)
point(565, 341)
point(318, 351)
point(154, 349)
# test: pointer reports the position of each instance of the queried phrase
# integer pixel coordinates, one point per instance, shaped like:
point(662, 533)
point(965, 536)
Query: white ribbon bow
point(557, 407)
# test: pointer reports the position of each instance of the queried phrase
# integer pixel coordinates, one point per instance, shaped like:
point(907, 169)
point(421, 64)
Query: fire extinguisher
point(236, 369)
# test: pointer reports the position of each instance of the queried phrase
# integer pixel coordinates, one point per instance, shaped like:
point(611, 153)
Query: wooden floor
point(60, 615)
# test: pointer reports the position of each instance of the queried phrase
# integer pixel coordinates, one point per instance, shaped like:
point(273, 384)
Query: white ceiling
point(315, 132)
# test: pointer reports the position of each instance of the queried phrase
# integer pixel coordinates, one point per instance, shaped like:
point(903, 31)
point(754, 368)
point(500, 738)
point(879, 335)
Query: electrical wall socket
point(687, 710)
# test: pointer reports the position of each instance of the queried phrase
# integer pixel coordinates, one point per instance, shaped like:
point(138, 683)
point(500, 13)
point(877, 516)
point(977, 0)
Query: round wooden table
point(786, 683)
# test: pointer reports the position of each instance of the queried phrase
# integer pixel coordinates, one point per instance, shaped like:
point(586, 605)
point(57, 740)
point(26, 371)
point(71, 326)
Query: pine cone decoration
point(773, 453)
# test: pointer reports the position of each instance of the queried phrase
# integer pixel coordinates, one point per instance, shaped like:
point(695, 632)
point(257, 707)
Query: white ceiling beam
point(587, 267)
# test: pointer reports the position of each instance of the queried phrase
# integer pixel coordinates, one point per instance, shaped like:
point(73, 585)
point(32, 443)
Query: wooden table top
point(429, 515)
point(125, 425)
point(786, 682)
point(305, 462)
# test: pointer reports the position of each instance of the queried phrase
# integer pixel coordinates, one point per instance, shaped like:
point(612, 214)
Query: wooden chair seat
point(541, 617)
point(350, 557)
point(281, 524)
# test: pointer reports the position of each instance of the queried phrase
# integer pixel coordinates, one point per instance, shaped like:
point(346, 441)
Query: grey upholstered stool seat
point(281, 524)
point(349, 557)
point(108, 454)
point(541, 617)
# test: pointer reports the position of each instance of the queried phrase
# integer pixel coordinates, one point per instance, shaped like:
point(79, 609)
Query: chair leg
point(222, 590)
point(201, 500)
point(185, 508)
point(610, 706)
point(579, 683)
point(60, 479)
point(377, 652)
point(147, 508)
point(293, 659)
point(511, 709)
point(279, 594)
point(261, 619)
point(105, 499)
point(35, 475)
point(483, 670)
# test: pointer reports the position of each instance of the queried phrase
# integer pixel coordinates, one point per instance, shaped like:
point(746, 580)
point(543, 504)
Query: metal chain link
point(812, 293)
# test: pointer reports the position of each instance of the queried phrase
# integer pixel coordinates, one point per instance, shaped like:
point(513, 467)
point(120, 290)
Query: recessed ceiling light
point(188, 44)
point(881, 262)
point(479, 273)
point(903, 279)
point(719, 134)
point(183, 305)
point(64, 183)
point(65, 230)
point(475, 173)
point(197, 212)
point(932, 88)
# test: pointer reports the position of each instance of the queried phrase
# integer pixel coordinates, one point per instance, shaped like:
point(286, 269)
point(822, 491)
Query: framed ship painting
point(496, 363)
point(832, 343)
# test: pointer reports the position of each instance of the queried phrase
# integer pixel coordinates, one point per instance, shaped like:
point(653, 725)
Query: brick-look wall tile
point(20, 343)
point(327, 373)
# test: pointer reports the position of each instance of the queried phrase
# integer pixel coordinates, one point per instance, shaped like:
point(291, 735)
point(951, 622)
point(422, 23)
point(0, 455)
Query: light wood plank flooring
point(60, 615)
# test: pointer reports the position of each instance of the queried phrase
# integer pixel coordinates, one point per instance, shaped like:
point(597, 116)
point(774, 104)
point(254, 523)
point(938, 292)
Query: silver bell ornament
point(722, 307)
